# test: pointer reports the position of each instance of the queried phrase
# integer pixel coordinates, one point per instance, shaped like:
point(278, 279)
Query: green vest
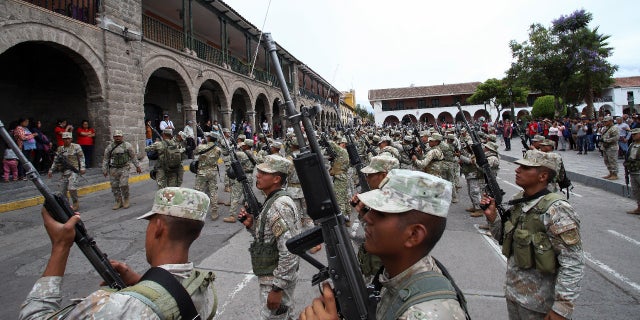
point(265, 255)
point(525, 236)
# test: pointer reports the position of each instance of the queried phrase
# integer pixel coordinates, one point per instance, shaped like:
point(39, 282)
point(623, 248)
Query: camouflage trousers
point(340, 186)
point(237, 196)
point(474, 190)
point(285, 303)
point(611, 160)
point(227, 165)
point(119, 180)
point(69, 183)
point(518, 312)
point(295, 192)
point(448, 173)
point(166, 178)
point(208, 183)
point(634, 181)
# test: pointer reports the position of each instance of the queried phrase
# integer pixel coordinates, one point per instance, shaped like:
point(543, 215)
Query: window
point(630, 99)
point(422, 104)
point(400, 105)
point(386, 106)
point(435, 103)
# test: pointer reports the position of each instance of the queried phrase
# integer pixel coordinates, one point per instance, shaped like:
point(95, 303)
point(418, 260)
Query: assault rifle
point(59, 208)
point(370, 148)
point(523, 139)
point(66, 165)
point(235, 171)
point(354, 157)
point(353, 299)
point(493, 189)
point(324, 142)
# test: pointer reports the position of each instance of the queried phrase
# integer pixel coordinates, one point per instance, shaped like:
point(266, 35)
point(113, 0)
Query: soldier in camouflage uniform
point(74, 157)
point(226, 159)
point(165, 176)
point(632, 166)
point(448, 166)
point(278, 222)
point(248, 163)
point(408, 203)
point(385, 146)
point(455, 145)
point(339, 167)
point(542, 242)
point(609, 140)
point(432, 162)
point(472, 173)
point(405, 156)
point(208, 155)
point(174, 211)
point(115, 164)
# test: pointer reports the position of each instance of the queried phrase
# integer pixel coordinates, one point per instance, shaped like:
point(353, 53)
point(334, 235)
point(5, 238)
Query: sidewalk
point(586, 169)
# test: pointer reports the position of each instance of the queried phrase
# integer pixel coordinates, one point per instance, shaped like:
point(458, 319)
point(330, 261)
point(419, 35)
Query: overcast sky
point(372, 44)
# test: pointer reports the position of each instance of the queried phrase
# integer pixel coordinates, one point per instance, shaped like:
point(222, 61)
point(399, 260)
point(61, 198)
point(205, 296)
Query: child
point(10, 162)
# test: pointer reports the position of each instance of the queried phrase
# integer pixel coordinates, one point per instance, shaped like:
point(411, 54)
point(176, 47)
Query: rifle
point(370, 148)
point(626, 192)
point(353, 299)
point(354, 157)
point(324, 142)
point(493, 189)
point(59, 208)
point(237, 172)
point(266, 141)
point(66, 165)
point(523, 139)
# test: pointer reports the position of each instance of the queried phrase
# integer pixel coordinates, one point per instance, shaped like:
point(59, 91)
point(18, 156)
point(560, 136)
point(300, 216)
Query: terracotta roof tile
point(626, 82)
point(417, 92)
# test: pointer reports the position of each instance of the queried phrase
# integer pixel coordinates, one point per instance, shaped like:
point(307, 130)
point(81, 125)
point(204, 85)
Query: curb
point(34, 201)
point(602, 184)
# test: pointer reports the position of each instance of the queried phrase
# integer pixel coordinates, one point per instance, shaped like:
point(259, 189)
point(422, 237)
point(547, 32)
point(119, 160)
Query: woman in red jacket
point(85, 136)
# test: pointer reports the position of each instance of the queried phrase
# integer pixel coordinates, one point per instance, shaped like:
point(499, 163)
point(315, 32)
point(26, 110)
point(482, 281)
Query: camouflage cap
point(450, 136)
point(608, 118)
point(226, 130)
point(215, 127)
point(535, 158)
point(179, 202)
point(241, 137)
point(67, 135)
point(435, 137)
point(117, 133)
point(261, 135)
point(275, 163)
point(492, 137)
point(276, 144)
point(636, 130)
point(248, 142)
point(403, 190)
point(343, 140)
point(491, 146)
point(547, 142)
point(424, 133)
point(167, 132)
point(464, 129)
point(375, 138)
point(182, 134)
point(385, 138)
point(408, 138)
point(381, 163)
point(537, 138)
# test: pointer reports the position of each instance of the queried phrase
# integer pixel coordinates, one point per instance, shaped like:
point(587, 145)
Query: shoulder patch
point(279, 228)
point(570, 237)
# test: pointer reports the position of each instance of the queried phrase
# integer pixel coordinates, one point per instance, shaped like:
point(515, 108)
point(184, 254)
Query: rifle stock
point(352, 297)
point(60, 210)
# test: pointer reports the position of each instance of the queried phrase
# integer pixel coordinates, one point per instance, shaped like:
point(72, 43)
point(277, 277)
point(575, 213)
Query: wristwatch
point(275, 288)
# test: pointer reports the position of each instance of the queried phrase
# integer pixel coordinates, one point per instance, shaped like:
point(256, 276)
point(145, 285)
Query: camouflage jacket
point(111, 152)
point(45, 298)
point(246, 163)
point(282, 223)
point(433, 155)
point(73, 154)
point(542, 292)
point(294, 189)
point(340, 164)
point(610, 137)
point(444, 309)
point(208, 161)
point(393, 151)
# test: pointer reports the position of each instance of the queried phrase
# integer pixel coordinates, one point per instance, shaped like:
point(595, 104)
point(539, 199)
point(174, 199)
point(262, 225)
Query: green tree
point(497, 92)
point(363, 113)
point(544, 107)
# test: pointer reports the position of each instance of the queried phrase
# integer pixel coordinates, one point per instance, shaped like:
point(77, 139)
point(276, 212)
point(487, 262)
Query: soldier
point(168, 168)
point(610, 139)
point(542, 242)
point(431, 162)
point(248, 163)
point(115, 164)
point(473, 174)
point(69, 160)
point(175, 221)
point(208, 155)
point(632, 168)
point(448, 166)
point(385, 146)
point(405, 219)
point(279, 221)
point(339, 167)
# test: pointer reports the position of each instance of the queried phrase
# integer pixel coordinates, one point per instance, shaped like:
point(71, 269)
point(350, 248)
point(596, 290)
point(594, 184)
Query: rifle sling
point(175, 288)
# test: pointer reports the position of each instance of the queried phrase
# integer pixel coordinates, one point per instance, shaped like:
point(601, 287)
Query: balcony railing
point(81, 10)
point(159, 32)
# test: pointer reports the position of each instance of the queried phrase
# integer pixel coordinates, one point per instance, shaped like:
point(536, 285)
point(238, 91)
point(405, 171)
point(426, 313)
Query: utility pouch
point(545, 257)
point(522, 249)
point(264, 257)
point(507, 238)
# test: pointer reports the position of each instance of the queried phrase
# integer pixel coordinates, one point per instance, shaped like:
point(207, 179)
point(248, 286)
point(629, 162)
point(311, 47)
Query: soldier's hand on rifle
point(322, 308)
point(248, 222)
point(359, 206)
point(138, 170)
point(61, 236)
point(127, 274)
point(490, 212)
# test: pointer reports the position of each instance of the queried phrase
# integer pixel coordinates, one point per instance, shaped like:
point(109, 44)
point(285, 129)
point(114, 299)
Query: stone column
point(226, 118)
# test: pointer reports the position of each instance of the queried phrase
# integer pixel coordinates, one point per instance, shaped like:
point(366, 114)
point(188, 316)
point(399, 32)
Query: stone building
point(116, 63)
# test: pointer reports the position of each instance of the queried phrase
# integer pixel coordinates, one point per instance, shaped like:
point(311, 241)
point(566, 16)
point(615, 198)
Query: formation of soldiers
point(413, 157)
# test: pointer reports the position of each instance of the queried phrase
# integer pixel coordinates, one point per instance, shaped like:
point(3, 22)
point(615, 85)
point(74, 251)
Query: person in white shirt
point(166, 123)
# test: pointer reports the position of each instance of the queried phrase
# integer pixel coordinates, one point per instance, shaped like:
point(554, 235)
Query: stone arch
point(391, 121)
point(409, 118)
point(446, 117)
point(182, 78)
point(262, 109)
point(240, 105)
point(604, 110)
point(427, 118)
point(506, 115)
point(167, 89)
point(522, 113)
point(211, 101)
point(481, 113)
point(466, 113)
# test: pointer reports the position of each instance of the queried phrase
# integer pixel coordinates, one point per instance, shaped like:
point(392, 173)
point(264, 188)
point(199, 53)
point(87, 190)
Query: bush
point(544, 107)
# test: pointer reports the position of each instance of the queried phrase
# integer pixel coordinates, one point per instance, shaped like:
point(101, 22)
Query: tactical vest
point(447, 152)
point(265, 255)
point(71, 154)
point(418, 288)
point(632, 162)
point(160, 300)
point(119, 159)
point(525, 236)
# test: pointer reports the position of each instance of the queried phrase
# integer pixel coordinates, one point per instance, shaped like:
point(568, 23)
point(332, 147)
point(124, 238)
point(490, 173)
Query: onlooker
point(265, 127)
point(582, 137)
point(554, 134)
point(25, 140)
point(563, 134)
point(623, 132)
point(189, 138)
point(10, 164)
point(62, 127)
point(42, 157)
point(507, 133)
point(166, 123)
point(148, 133)
point(85, 139)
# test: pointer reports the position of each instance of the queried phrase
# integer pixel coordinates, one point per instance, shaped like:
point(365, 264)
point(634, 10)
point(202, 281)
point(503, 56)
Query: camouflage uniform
point(448, 163)
point(164, 176)
point(207, 176)
point(237, 196)
point(432, 162)
point(339, 167)
point(278, 222)
point(75, 157)
point(294, 190)
point(531, 293)
point(632, 165)
point(610, 144)
point(45, 297)
point(115, 163)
